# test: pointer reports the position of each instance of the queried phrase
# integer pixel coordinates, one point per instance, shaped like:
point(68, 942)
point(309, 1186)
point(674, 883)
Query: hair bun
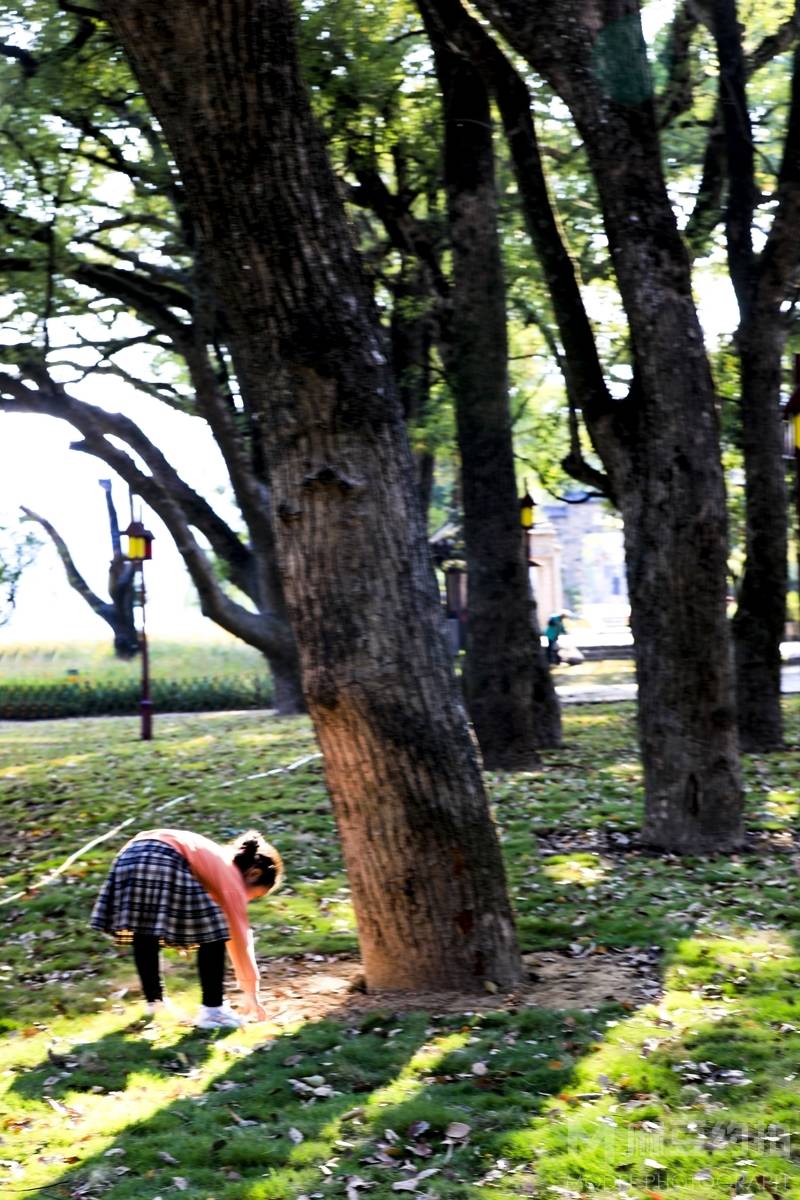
point(247, 849)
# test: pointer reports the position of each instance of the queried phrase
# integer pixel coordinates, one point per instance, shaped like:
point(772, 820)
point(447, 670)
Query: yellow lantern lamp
point(139, 542)
point(526, 506)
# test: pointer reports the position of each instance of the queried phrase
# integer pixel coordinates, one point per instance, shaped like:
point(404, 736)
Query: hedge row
point(38, 701)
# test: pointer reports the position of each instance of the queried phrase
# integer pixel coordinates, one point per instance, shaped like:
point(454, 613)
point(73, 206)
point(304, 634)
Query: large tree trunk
point(759, 621)
point(412, 330)
point(508, 688)
point(419, 844)
point(762, 282)
point(661, 447)
point(287, 684)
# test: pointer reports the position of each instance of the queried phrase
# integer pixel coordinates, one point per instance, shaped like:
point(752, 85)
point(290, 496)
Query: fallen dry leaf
point(410, 1185)
point(458, 1130)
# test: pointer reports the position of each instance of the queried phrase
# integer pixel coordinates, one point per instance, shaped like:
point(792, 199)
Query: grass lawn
point(38, 680)
point(43, 662)
point(692, 1093)
point(596, 672)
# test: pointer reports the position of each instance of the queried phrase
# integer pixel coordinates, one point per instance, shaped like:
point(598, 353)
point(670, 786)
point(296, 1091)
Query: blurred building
point(592, 556)
point(578, 558)
point(547, 573)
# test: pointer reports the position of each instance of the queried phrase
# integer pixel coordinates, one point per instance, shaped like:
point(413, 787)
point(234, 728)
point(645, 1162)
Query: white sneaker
point(218, 1018)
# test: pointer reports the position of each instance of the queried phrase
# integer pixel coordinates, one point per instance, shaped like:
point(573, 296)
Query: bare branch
point(102, 607)
point(96, 424)
point(258, 629)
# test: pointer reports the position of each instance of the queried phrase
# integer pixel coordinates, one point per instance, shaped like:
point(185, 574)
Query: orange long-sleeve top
point(213, 867)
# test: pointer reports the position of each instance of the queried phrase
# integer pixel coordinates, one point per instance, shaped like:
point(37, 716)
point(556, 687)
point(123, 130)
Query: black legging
point(210, 968)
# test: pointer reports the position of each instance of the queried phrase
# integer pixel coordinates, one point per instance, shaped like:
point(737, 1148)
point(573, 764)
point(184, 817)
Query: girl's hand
point(253, 1007)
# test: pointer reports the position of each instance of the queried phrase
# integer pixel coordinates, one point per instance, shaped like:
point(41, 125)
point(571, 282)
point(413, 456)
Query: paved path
point(593, 693)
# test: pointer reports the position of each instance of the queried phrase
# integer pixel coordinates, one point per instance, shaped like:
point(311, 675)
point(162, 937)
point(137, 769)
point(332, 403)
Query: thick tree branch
point(777, 43)
point(80, 10)
point(102, 607)
point(707, 207)
point(678, 94)
point(405, 232)
point(27, 61)
point(583, 372)
point(95, 424)
point(579, 469)
point(215, 405)
point(153, 300)
point(256, 628)
point(707, 210)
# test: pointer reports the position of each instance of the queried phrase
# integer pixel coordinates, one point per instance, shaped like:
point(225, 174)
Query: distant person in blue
point(553, 631)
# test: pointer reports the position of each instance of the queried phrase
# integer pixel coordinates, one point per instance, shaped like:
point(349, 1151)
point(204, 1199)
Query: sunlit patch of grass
point(598, 717)
point(630, 771)
point(66, 760)
point(43, 662)
point(600, 672)
point(783, 805)
point(194, 745)
point(582, 870)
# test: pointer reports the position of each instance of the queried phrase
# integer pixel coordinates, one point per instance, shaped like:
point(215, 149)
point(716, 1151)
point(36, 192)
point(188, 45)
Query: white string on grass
point(51, 876)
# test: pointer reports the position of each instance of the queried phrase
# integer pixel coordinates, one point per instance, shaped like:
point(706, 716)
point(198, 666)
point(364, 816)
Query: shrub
point(40, 701)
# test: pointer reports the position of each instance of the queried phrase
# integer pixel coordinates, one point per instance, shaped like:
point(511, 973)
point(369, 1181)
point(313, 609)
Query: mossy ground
point(692, 1095)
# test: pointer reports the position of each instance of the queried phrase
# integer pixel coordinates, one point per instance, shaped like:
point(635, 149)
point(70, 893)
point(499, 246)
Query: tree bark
point(421, 851)
point(761, 282)
point(660, 447)
point(508, 688)
point(412, 328)
point(760, 617)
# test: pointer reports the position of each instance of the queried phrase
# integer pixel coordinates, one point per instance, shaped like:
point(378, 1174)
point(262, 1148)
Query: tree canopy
point(626, 175)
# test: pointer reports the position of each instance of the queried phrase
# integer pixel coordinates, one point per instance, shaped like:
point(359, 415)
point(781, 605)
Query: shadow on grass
point(372, 1097)
point(108, 1064)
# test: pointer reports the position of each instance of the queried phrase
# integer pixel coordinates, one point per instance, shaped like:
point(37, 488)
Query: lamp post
point(139, 550)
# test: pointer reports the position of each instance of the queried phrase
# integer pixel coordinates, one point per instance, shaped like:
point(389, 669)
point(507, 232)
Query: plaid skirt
point(151, 890)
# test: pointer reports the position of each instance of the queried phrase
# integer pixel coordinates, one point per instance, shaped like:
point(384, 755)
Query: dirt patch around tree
point(316, 986)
